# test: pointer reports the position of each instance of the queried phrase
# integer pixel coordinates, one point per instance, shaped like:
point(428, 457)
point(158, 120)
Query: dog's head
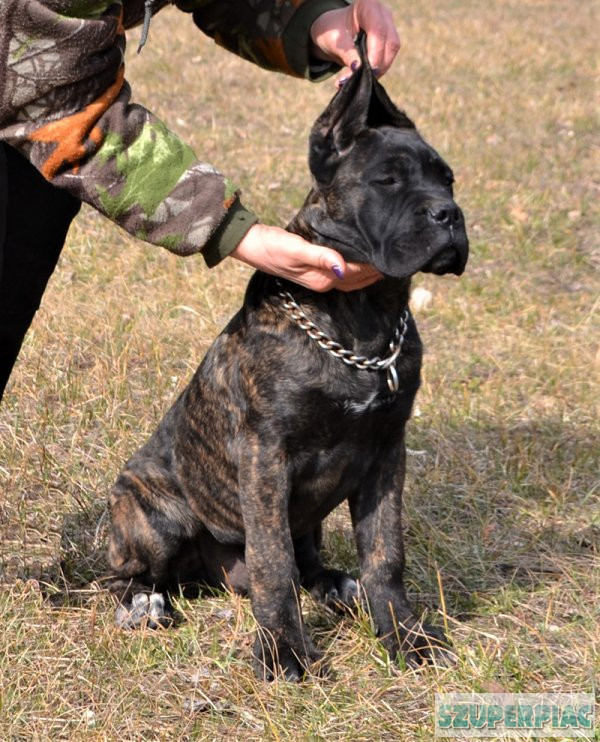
point(381, 194)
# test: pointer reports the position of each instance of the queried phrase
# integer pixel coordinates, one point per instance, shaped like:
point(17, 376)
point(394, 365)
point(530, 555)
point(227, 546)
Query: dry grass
point(503, 490)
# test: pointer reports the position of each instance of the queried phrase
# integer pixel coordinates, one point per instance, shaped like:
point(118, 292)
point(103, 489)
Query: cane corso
point(301, 403)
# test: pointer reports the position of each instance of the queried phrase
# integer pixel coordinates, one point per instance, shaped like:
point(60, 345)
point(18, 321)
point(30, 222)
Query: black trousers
point(34, 220)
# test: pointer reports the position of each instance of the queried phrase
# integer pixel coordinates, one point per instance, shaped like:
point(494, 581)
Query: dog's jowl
point(301, 403)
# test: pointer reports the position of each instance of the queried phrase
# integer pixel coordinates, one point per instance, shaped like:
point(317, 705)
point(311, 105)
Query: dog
point(300, 403)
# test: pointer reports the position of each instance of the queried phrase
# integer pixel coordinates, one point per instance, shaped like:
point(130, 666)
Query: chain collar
point(387, 364)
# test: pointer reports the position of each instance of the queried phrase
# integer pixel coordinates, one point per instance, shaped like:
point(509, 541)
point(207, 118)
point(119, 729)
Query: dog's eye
point(390, 180)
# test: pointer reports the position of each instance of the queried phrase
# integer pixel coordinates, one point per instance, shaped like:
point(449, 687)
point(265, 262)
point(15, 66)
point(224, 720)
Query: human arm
point(332, 33)
point(65, 105)
point(309, 39)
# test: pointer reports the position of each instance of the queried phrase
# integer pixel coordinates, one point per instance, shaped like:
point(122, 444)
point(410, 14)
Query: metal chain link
point(350, 358)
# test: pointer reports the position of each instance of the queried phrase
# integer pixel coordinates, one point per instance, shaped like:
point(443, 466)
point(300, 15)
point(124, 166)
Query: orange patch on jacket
point(272, 51)
point(120, 27)
point(72, 134)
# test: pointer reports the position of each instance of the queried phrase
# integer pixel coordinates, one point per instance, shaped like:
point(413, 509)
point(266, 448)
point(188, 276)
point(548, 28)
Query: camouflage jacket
point(65, 104)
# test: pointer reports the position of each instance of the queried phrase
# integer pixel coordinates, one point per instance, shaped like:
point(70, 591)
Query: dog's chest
point(346, 444)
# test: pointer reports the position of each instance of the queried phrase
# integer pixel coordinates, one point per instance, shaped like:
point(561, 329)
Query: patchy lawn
point(502, 497)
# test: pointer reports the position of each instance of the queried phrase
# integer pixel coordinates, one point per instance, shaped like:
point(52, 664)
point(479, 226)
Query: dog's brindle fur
point(273, 432)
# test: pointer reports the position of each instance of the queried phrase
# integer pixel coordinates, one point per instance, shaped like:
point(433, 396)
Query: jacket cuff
point(228, 234)
point(297, 41)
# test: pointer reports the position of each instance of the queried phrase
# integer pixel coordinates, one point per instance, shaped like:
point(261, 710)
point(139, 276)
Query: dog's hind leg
point(334, 588)
point(145, 536)
point(139, 604)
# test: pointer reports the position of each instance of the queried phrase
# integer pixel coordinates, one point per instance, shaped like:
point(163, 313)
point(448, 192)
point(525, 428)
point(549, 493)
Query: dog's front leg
point(376, 511)
point(282, 645)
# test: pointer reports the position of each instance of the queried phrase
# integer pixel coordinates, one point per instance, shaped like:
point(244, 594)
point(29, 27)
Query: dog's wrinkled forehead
point(361, 105)
point(400, 151)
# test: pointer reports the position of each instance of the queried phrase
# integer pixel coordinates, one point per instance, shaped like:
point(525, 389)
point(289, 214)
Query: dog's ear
point(360, 104)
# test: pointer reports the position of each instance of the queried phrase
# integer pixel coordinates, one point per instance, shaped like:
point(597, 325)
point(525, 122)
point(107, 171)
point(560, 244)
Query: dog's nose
point(445, 214)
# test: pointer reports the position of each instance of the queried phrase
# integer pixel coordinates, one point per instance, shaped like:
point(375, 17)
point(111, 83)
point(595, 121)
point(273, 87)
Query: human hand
point(283, 254)
point(333, 35)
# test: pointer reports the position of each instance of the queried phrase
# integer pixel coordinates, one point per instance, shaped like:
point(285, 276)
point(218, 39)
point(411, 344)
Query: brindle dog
point(280, 423)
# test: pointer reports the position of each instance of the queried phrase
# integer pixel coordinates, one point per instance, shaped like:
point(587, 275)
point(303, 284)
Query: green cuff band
point(297, 41)
point(229, 233)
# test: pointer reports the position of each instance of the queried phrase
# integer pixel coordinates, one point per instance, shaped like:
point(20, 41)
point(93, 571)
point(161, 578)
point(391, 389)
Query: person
point(69, 132)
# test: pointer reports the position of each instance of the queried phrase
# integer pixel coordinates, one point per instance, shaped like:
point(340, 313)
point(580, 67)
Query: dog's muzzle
point(447, 220)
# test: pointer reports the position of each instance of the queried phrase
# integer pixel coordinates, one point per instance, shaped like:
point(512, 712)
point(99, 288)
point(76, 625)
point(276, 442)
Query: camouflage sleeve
point(65, 104)
point(275, 34)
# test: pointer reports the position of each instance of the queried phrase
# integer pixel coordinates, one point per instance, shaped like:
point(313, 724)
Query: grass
point(502, 497)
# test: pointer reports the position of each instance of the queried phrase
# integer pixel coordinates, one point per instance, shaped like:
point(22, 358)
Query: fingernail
point(339, 273)
point(341, 81)
point(354, 66)
point(375, 71)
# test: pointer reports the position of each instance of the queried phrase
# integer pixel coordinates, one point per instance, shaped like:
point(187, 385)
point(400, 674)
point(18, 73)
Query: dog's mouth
point(450, 257)
point(448, 260)
point(440, 260)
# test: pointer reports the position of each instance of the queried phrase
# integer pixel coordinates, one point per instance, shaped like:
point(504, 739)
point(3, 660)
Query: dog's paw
point(425, 644)
point(334, 588)
point(144, 611)
point(281, 659)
